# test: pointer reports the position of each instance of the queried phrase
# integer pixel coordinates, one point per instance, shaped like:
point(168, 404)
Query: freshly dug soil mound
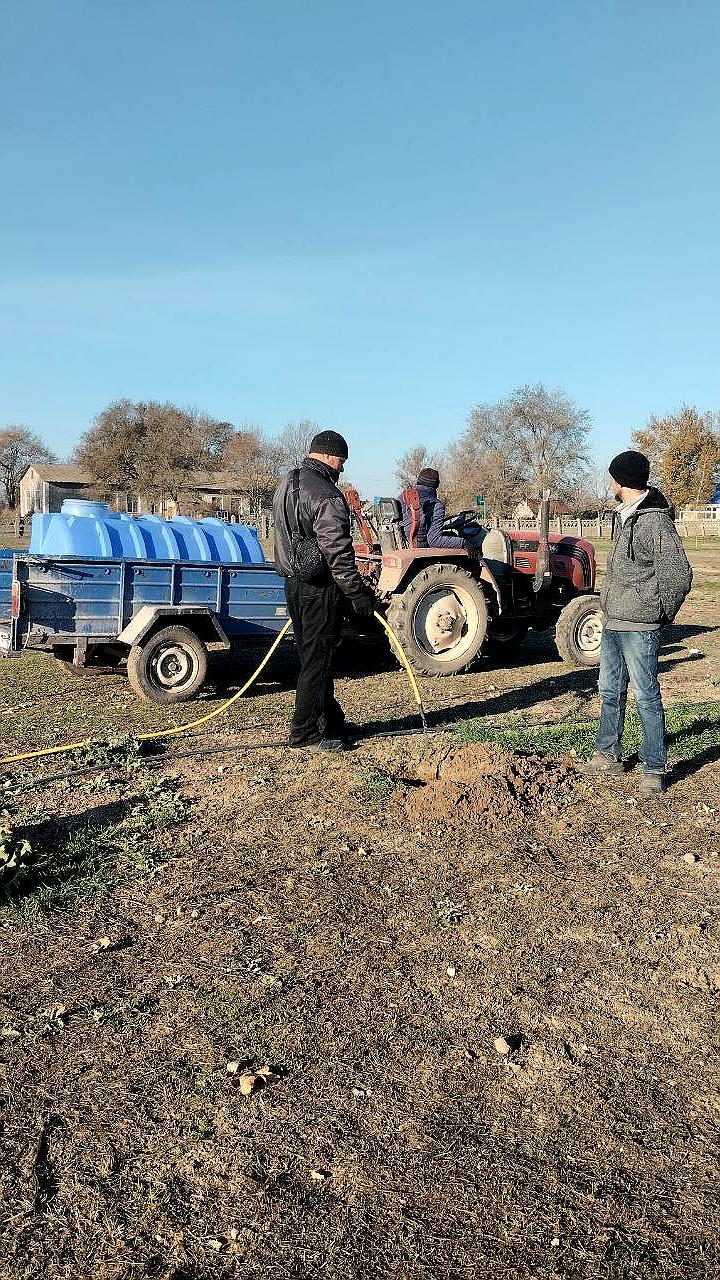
point(482, 783)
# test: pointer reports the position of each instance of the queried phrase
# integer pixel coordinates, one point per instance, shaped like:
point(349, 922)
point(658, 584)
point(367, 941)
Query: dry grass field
point(435, 1010)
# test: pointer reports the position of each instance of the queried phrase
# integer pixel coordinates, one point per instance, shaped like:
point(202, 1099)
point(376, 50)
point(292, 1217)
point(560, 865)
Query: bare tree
point(412, 462)
point(19, 448)
point(534, 440)
point(550, 434)
point(151, 448)
point(482, 463)
point(595, 494)
point(256, 462)
point(212, 435)
point(294, 441)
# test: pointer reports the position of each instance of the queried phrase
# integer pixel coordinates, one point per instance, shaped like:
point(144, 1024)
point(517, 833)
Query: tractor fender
point(398, 567)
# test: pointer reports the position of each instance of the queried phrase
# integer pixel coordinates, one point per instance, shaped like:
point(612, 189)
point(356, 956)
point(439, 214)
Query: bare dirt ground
point(437, 1008)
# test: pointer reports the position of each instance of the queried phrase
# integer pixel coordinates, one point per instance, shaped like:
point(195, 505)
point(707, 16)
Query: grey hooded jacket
point(648, 575)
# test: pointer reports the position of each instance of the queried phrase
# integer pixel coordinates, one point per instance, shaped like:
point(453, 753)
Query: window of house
point(132, 504)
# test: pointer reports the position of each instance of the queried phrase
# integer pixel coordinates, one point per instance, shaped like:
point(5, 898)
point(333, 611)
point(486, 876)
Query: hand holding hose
point(365, 605)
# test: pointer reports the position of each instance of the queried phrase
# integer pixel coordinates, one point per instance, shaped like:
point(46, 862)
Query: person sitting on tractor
point(429, 532)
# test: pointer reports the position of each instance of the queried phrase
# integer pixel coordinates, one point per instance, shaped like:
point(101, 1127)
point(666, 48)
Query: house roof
point(223, 481)
point(60, 473)
point(70, 473)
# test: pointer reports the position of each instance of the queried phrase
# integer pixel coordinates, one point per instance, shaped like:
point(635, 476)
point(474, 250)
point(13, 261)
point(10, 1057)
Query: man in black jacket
point(317, 607)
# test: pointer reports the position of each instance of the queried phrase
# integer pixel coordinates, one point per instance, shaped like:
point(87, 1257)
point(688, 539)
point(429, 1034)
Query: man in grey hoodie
point(648, 577)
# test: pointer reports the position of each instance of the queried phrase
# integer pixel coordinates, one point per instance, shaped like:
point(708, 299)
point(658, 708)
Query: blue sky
point(370, 214)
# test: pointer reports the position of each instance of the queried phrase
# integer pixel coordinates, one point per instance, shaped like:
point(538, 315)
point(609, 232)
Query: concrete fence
point(596, 530)
point(698, 528)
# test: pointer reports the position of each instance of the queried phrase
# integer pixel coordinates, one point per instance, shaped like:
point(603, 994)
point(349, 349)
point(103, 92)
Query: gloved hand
point(364, 605)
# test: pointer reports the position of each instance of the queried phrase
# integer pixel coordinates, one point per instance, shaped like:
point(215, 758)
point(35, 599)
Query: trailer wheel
point(578, 632)
point(170, 666)
point(504, 640)
point(440, 619)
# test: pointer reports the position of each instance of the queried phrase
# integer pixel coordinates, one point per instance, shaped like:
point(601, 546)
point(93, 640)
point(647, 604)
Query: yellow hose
point(400, 654)
point(193, 724)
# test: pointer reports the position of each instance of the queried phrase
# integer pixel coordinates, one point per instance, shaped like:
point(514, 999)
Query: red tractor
point(446, 605)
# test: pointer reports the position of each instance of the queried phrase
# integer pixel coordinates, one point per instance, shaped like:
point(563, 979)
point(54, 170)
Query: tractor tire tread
point(565, 628)
point(399, 617)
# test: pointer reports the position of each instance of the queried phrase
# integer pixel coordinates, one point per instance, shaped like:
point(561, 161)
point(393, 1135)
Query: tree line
point(514, 448)
point(155, 449)
point(537, 439)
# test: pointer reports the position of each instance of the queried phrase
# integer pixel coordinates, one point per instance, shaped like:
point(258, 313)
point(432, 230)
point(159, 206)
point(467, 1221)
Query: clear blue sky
point(370, 214)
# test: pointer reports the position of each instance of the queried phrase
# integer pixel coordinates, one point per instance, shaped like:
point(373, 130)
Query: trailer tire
point(442, 597)
point(170, 666)
point(578, 632)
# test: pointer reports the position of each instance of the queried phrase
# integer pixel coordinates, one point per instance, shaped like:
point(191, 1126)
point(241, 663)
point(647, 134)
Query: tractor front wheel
point(440, 619)
point(578, 632)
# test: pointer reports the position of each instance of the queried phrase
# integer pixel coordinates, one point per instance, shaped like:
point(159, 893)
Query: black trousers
point(317, 614)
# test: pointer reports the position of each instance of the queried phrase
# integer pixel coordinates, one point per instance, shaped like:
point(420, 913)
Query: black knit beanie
point(331, 443)
point(429, 477)
point(630, 469)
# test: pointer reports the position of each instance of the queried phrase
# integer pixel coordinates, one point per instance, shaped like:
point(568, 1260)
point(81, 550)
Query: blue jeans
point(631, 658)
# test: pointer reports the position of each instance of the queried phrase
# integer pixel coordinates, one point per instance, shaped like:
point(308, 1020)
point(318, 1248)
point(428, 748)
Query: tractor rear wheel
point(578, 632)
point(169, 667)
point(440, 619)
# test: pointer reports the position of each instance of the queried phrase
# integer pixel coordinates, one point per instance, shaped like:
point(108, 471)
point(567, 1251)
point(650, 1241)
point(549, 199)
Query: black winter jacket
point(325, 516)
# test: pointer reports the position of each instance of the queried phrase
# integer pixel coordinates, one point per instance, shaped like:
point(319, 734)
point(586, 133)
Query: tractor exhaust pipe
point(542, 565)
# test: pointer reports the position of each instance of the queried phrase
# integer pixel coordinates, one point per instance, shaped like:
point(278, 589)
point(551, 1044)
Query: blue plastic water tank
point(92, 531)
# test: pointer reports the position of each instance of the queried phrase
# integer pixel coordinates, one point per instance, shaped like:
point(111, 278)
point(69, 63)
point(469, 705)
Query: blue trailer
point(161, 616)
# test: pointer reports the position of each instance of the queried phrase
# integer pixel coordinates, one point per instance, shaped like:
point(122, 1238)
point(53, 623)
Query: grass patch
point(693, 730)
point(59, 873)
point(122, 749)
point(374, 786)
point(66, 861)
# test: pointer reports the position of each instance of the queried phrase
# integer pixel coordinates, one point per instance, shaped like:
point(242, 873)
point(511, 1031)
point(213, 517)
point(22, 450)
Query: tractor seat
point(497, 552)
point(390, 524)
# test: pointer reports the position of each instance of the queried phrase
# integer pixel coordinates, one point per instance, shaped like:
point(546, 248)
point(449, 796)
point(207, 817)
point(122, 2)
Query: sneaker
point(347, 730)
point(652, 782)
point(330, 744)
point(302, 743)
point(599, 763)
